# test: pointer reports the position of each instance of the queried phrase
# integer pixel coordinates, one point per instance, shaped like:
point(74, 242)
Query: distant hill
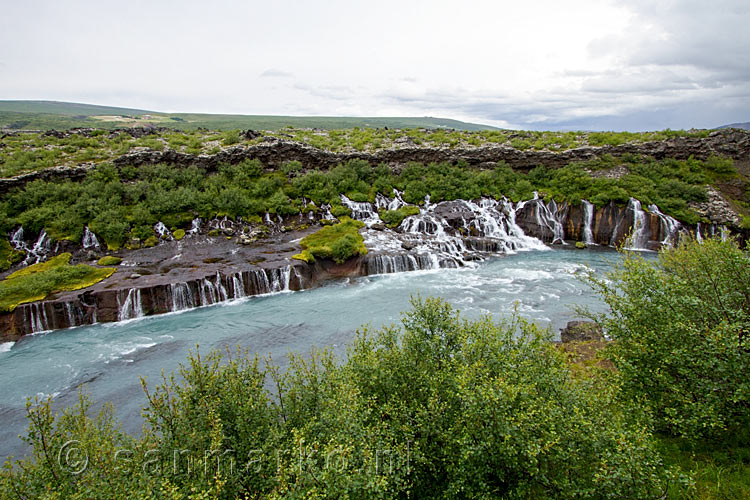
point(45, 115)
point(744, 125)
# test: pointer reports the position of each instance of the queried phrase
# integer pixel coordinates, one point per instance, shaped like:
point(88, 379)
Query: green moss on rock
point(339, 242)
point(8, 255)
point(38, 281)
point(109, 260)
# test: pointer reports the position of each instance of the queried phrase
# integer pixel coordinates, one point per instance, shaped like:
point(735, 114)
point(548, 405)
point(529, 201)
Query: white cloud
point(541, 64)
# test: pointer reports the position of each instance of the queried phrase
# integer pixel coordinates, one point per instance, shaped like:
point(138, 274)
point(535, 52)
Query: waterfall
point(195, 226)
point(362, 211)
point(89, 239)
point(668, 226)
point(70, 313)
point(208, 293)
point(698, 235)
point(639, 234)
point(131, 307)
point(162, 231)
point(38, 317)
point(327, 215)
point(221, 291)
point(182, 297)
point(548, 215)
point(238, 286)
point(588, 223)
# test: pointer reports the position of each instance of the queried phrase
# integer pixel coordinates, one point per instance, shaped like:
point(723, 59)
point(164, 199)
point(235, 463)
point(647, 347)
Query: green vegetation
point(392, 218)
point(438, 407)
point(682, 331)
point(8, 255)
point(45, 115)
point(179, 234)
point(37, 281)
point(109, 260)
point(120, 205)
point(338, 242)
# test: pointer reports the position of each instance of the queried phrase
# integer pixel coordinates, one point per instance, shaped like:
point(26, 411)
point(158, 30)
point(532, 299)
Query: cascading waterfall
point(362, 211)
point(195, 226)
point(182, 297)
point(238, 286)
point(698, 235)
point(162, 231)
point(89, 239)
point(38, 317)
point(638, 238)
point(131, 307)
point(588, 223)
point(669, 226)
point(429, 240)
point(547, 215)
point(71, 314)
point(34, 254)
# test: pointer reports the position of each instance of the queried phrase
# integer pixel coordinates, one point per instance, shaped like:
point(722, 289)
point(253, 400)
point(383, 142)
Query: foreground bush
point(681, 326)
point(436, 408)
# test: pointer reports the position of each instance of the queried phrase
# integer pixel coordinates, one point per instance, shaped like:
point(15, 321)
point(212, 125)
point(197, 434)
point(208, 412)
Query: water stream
point(110, 358)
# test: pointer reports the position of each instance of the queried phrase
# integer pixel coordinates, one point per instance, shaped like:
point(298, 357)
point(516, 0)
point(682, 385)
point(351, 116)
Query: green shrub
point(437, 407)
point(151, 241)
point(340, 211)
point(681, 328)
point(392, 218)
point(8, 255)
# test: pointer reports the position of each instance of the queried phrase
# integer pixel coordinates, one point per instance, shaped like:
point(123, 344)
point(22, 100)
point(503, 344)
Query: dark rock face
point(578, 331)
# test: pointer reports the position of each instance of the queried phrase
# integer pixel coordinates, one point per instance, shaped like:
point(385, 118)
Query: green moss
point(213, 232)
point(109, 260)
point(179, 234)
point(338, 242)
point(38, 281)
point(8, 255)
point(580, 244)
point(393, 218)
point(151, 241)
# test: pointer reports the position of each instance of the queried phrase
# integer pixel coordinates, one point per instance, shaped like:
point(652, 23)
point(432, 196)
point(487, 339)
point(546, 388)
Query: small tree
point(681, 326)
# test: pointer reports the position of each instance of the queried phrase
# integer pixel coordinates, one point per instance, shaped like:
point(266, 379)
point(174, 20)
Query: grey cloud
point(276, 73)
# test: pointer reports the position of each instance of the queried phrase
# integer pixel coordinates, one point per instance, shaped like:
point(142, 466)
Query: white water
point(110, 358)
point(588, 223)
point(162, 231)
point(130, 307)
point(89, 239)
point(669, 226)
point(638, 238)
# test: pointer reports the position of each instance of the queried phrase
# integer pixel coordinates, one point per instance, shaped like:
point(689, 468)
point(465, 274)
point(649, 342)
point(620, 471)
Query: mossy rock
point(213, 232)
point(109, 260)
point(580, 245)
point(179, 234)
point(151, 241)
point(339, 242)
point(304, 256)
point(38, 281)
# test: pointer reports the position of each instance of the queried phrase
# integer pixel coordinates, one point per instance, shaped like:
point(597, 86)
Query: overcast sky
point(535, 64)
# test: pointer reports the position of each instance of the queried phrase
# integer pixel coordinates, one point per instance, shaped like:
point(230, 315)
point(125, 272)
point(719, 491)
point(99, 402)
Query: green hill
point(45, 115)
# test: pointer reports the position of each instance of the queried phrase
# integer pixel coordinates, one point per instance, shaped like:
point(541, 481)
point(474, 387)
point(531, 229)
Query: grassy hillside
point(45, 115)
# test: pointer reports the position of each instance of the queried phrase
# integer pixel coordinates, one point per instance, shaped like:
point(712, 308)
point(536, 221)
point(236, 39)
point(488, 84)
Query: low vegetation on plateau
point(442, 407)
point(37, 281)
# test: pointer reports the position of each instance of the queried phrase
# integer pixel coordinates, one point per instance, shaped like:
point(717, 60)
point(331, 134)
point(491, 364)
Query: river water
point(109, 359)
